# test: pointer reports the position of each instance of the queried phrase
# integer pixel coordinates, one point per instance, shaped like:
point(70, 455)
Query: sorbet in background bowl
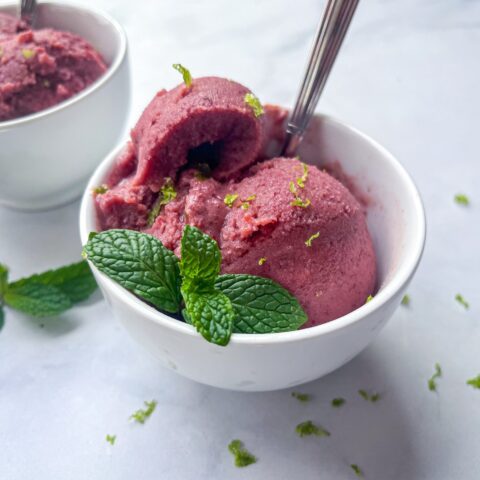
point(41, 68)
point(64, 101)
point(262, 210)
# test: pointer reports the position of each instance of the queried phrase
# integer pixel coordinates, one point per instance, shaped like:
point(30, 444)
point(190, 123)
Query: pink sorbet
point(282, 219)
point(41, 68)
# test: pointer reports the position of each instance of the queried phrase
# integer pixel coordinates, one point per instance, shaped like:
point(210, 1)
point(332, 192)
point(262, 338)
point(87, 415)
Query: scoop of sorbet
point(279, 218)
point(39, 69)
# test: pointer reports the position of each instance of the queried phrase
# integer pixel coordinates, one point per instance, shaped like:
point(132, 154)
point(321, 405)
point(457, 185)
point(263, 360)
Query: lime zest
point(309, 240)
point(253, 101)
point(187, 77)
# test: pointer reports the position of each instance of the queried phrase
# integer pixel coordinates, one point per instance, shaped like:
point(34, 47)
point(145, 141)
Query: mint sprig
point(37, 300)
point(201, 258)
point(75, 281)
point(211, 313)
point(216, 305)
point(49, 293)
point(208, 309)
point(260, 304)
point(140, 263)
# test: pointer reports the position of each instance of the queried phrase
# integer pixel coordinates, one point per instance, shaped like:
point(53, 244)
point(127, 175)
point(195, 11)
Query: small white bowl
point(280, 360)
point(47, 157)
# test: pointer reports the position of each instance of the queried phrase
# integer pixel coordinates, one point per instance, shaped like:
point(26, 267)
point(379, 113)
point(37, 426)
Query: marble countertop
point(408, 76)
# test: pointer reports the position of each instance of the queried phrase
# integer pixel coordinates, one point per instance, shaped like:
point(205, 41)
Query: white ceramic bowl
point(47, 157)
point(280, 360)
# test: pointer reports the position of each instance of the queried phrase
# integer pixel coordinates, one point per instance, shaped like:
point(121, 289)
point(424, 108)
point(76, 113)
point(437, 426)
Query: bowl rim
point(395, 284)
point(97, 84)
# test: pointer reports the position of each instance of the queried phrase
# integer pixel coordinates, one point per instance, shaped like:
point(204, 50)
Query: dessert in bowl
point(64, 101)
point(285, 220)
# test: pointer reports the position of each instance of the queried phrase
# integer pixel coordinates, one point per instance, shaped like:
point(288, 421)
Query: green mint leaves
point(37, 300)
point(75, 281)
point(216, 305)
point(201, 258)
point(211, 313)
point(208, 309)
point(260, 304)
point(47, 294)
point(140, 263)
point(187, 77)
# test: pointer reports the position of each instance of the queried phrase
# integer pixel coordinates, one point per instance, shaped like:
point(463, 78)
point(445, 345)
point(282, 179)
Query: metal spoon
point(27, 11)
point(328, 40)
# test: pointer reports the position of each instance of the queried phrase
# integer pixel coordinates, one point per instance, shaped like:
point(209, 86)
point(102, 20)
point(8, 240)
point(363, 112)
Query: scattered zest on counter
point(308, 428)
point(111, 439)
point(301, 397)
point(47, 294)
point(462, 199)
point(187, 77)
point(166, 195)
point(243, 458)
point(432, 381)
point(309, 241)
point(369, 397)
point(229, 199)
point(459, 298)
point(262, 260)
point(406, 300)
point(216, 305)
point(338, 402)
point(142, 415)
point(357, 470)
point(474, 382)
point(100, 190)
point(254, 102)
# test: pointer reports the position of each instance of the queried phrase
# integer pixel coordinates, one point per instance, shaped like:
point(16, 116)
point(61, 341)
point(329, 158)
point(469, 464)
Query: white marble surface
point(408, 76)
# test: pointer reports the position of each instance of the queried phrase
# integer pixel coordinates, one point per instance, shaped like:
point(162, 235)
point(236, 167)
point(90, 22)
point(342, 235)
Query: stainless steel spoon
point(27, 11)
point(328, 40)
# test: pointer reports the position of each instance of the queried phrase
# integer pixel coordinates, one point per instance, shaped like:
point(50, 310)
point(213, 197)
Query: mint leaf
point(3, 280)
point(211, 313)
point(76, 281)
point(140, 263)
point(201, 258)
point(37, 300)
point(260, 304)
point(2, 316)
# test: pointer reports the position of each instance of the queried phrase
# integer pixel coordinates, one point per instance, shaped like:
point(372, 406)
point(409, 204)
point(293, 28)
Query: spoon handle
point(27, 11)
point(328, 40)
